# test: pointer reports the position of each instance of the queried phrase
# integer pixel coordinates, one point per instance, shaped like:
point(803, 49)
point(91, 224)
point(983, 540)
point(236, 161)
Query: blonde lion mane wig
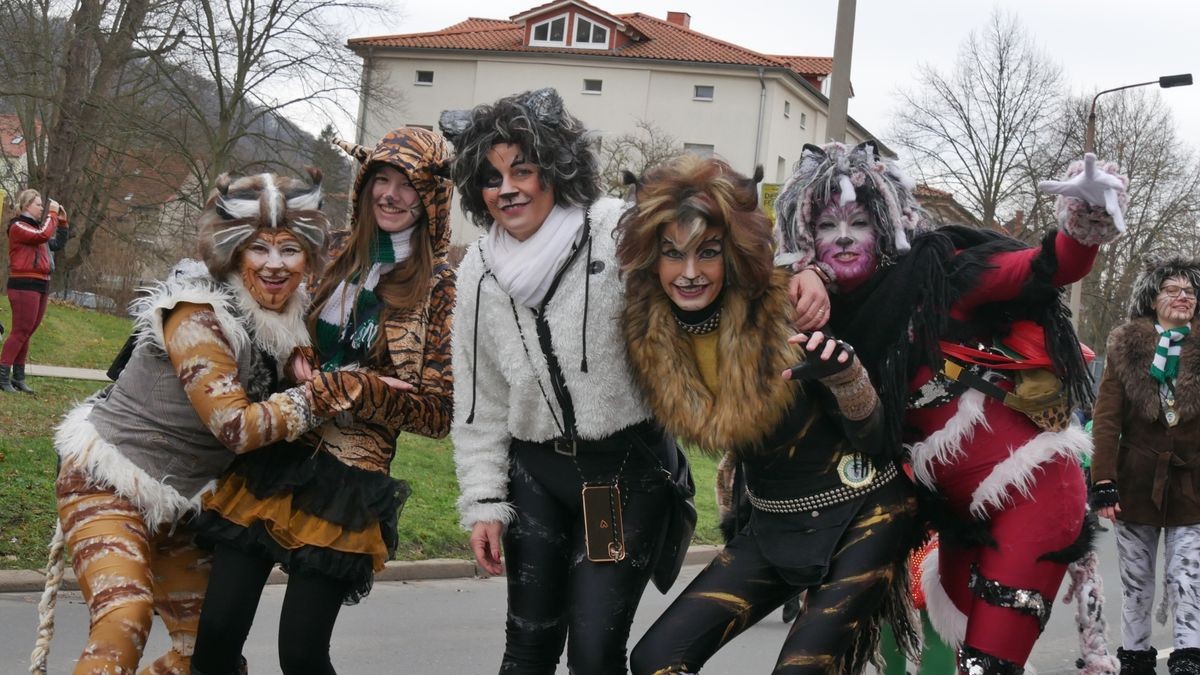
point(697, 193)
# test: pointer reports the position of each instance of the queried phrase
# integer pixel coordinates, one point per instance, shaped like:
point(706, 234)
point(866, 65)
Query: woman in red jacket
point(31, 238)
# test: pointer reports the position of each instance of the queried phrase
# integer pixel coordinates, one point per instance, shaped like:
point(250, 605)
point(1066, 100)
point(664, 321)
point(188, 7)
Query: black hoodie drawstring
point(587, 283)
point(475, 351)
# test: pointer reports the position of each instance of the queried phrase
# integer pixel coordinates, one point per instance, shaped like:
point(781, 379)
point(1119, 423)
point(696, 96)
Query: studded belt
point(837, 495)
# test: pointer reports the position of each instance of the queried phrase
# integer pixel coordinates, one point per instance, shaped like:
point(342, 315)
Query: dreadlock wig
point(238, 208)
point(1155, 270)
point(849, 174)
point(548, 136)
point(698, 193)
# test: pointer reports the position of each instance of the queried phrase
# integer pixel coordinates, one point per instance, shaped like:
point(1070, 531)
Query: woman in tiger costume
point(326, 509)
point(200, 387)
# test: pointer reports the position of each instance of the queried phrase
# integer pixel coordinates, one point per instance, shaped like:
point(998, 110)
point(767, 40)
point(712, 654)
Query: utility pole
point(839, 83)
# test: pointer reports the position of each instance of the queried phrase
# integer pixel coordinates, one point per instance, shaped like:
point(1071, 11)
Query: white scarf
point(338, 308)
point(525, 269)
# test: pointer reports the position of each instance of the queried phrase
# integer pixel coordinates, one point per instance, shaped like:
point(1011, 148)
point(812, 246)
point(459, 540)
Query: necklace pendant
point(1171, 417)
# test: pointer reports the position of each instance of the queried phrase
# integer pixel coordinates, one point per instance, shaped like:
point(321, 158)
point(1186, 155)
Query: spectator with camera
point(32, 236)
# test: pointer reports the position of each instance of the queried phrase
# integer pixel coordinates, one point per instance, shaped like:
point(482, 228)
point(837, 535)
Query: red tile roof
point(659, 40)
point(10, 128)
point(923, 191)
point(529, 13)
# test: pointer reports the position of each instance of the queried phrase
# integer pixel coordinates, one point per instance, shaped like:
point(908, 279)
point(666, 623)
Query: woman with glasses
point(1146, 467)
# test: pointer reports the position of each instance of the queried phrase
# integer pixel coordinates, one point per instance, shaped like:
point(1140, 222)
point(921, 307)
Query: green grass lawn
point(428, 526)
point(70, 336)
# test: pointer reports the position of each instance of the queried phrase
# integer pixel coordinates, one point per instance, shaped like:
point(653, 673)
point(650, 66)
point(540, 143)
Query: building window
point(703, 92)
point(589, 34)
point(699, 149)
point(787, 109)
point(551, 32)
point(780, 170)
point(425, 78)
point(803, 120)
point(593, 86)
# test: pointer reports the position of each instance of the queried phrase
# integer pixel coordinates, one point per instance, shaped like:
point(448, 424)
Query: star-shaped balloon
point(1098, 188)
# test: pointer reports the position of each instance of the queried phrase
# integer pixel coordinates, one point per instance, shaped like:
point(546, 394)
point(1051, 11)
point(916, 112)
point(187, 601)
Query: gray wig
point(1155, 270)
point(549, 136)
point(852, 174)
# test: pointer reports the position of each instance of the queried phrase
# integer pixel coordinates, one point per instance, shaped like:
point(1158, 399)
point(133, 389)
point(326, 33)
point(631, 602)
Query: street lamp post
point(1089, 145)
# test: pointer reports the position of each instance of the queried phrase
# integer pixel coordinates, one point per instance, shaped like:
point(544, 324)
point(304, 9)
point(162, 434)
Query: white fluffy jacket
point(504, 382)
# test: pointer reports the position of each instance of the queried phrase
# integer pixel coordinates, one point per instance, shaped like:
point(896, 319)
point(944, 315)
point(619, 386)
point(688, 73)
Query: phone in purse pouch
point(603, 530)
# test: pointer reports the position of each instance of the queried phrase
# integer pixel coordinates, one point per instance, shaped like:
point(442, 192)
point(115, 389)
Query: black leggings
point(310, 608)
point(740, 587)
point(554, 591)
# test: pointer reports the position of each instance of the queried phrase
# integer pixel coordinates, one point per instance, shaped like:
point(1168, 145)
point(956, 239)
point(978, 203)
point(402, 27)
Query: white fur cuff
point(476, 512)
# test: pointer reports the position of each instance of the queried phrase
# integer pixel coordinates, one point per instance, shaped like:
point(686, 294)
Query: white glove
point(1098, 188)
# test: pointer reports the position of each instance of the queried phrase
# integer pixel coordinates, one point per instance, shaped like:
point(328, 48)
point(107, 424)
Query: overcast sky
point(1099, 43)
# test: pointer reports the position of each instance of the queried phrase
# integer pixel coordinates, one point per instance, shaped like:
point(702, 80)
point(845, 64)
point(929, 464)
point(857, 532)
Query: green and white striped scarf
point(1164, 366)
point(345, 330)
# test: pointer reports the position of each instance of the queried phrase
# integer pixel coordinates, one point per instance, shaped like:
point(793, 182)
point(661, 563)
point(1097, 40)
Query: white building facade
point(613, 72)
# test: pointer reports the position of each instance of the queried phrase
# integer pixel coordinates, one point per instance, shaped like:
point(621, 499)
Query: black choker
point(702, 327)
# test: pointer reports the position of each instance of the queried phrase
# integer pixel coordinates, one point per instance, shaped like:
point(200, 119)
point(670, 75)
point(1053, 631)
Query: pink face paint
point(845, 240)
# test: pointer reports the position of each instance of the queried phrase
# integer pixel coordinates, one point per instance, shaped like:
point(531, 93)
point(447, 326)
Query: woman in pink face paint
point(936, 317)
point(845, 241)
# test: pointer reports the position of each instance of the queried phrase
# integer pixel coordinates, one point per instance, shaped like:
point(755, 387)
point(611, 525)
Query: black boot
point(1137, 661)
point(1184, 661)
point(18, 379)
point(6, 379)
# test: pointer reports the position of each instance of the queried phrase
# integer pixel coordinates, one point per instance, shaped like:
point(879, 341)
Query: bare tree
point(243, 68)
point(972, 130)
point(1136, 130)
point(635, 152)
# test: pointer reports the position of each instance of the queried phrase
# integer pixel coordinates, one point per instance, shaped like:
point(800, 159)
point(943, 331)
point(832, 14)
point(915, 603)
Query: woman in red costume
point(949, 322)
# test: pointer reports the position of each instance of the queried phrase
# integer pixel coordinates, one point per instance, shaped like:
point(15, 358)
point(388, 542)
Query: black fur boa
point(896, 318)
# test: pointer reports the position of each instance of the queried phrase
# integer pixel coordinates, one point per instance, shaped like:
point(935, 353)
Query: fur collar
point(1130, 350)
point(276, 333)
point(753, 349)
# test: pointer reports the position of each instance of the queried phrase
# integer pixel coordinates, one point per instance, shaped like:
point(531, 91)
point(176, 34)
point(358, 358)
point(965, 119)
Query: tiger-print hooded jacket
point(418, 339)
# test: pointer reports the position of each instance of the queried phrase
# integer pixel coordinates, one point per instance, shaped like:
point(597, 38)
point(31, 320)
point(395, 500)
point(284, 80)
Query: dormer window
point(551, 33)
point(590, 34)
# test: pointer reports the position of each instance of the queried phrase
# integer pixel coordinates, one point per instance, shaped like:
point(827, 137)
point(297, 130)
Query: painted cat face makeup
point(273, 265)
point(691, 273)
point(845, 241)
point(514, 193)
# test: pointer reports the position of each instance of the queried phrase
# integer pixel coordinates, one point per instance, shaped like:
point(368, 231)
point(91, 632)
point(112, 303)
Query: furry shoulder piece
point(241, 318)
point(1130, 350)
point(752, 343)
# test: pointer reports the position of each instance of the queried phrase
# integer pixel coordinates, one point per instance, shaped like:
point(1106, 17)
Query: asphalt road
point(457, 627)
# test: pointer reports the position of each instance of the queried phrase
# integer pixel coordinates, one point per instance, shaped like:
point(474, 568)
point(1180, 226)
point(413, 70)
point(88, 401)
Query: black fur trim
point(1083, 544)
point(953, 531)
point(1185, 661)
point(1102, 495)
point(1137, 661)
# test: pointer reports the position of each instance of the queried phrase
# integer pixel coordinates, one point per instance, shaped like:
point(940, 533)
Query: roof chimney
point(680, 19)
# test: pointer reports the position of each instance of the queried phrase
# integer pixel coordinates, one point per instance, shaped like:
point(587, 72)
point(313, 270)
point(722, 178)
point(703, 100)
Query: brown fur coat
point(752, 342)
point(1156, 467)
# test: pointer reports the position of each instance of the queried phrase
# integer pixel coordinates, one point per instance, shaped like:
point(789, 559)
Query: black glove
point(1102, 495)
point(815, 368)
